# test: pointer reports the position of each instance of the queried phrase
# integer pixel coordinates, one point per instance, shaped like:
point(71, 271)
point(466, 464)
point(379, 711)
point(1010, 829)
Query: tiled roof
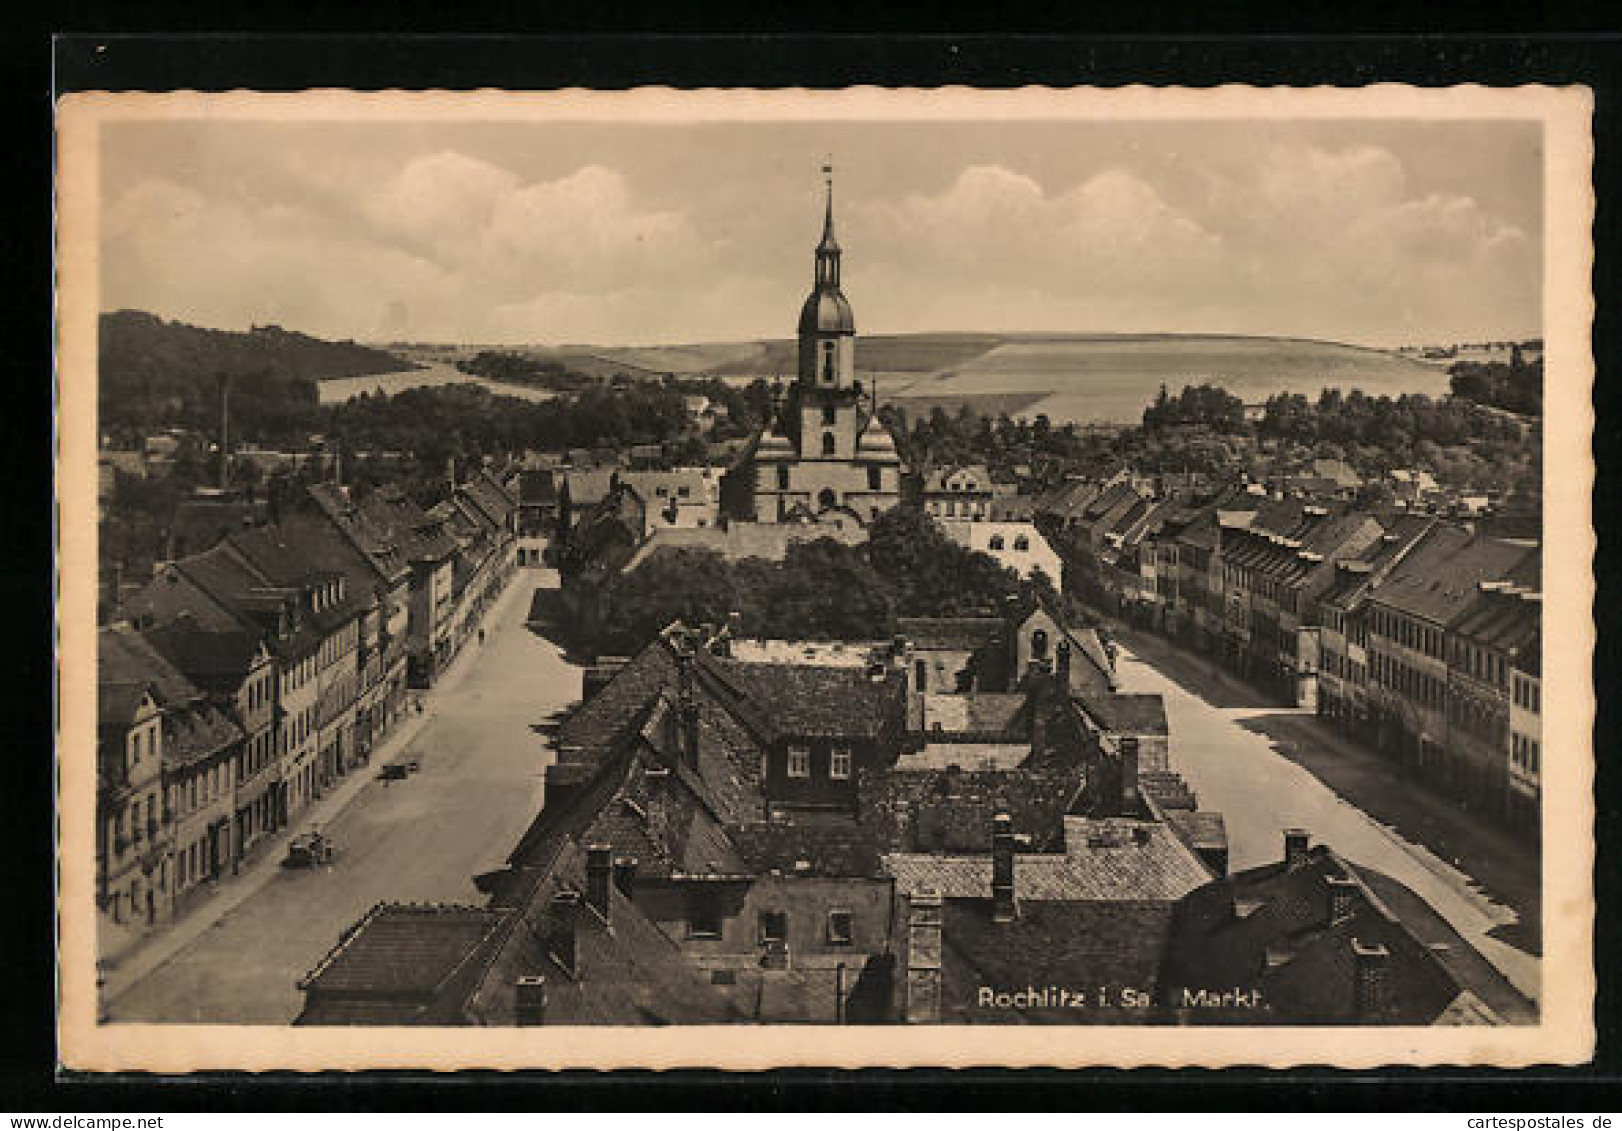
point(1049, 943)
point(125, 657)
point(807, 699)
point(626, 971)
point(1438, 580)
point(588, 488)
point(1104, 859)
point(945, 810)
point(537, 487)
point(377, 540)
point(402, 950)
point(600, 720)
point(979, 712)
point(1121, 713)
point(1269, 927)
point(949, 633)
point(807, 850)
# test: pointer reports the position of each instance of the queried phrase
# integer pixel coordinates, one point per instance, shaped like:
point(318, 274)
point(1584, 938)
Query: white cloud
point(1314, 239)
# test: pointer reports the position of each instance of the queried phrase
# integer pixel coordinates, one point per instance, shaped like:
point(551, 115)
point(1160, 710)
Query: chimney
point(598, 866)
point(562, 918)
point(1342, 899)
point(1296, 842)
point(923, 988)
point(1003, 908)
point(1369, 970)
point(1129, 773)
point(529, 999)
point(625, 875)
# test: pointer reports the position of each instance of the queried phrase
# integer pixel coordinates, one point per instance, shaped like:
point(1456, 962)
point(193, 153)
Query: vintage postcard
point(864, 578)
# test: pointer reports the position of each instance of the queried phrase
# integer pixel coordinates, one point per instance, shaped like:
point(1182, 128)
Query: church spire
point(828, 242)
point(828, 249)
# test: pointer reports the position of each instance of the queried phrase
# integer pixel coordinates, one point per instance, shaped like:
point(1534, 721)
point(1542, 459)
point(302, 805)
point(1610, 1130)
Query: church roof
point(875, 439)
point(827, 311)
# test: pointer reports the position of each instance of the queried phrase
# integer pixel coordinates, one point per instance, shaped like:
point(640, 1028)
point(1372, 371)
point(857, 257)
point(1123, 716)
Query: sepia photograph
point(540, 573)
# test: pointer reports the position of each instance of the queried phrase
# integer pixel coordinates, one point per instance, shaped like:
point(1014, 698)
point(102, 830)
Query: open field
point(429, 376)
point(1069, 377)
point(1114, 378)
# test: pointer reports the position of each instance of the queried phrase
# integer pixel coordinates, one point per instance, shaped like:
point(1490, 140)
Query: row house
point(378, 562)
point(1274, 567)
point(166, 758)
point(1524, 792)
point(482, 519)
point(1417, 657)
point(309, 622)
point(430, 554)
point(235, 668)
point(1343, 637)
point(1494, 703)
point(303, 560)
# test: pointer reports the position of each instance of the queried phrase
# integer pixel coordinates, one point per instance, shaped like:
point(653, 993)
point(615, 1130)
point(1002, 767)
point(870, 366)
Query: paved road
point(1227, 744)
point(422, 839)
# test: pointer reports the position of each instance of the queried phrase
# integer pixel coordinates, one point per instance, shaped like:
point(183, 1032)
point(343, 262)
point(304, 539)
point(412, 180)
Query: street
point(1266, 767)
point(420, 839)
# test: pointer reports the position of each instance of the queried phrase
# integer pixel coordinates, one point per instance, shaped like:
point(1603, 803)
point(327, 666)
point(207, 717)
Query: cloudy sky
point(1375, 232)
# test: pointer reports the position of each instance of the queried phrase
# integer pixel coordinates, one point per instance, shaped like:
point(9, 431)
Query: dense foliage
point(822, 590)
point(1197, 405)
point(157, 374)
point(1515, 387)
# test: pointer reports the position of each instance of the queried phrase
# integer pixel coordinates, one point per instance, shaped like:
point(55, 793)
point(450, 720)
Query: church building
point(827, 458)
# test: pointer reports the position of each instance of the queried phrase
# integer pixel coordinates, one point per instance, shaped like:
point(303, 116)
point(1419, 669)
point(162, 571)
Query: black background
point(1541, 44)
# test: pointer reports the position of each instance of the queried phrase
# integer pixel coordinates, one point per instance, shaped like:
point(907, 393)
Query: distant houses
point(1416, 631)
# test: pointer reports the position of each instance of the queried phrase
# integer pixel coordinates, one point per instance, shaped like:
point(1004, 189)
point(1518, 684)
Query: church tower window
point(828, 415)
point(782, 477)
point(873, 480)
point(827, 443)
point(826, 499)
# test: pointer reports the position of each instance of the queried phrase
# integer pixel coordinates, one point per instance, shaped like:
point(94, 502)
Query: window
point(782, 477)
point(839, 763)
point(920, 671)
point(828, 414)
point(1039, 644)
point(828, 362)
point(840, 931)
point(874, 482)
point(827, 443)
point(704, 914)
point(773, 927)
point(1022, 543)
point(799, 761)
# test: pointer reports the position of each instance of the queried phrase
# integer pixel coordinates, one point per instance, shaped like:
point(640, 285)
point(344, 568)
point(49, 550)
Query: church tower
point(834, 460)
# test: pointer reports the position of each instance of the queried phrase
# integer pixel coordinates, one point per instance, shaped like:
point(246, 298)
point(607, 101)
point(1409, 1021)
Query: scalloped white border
point(1565, 1034)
